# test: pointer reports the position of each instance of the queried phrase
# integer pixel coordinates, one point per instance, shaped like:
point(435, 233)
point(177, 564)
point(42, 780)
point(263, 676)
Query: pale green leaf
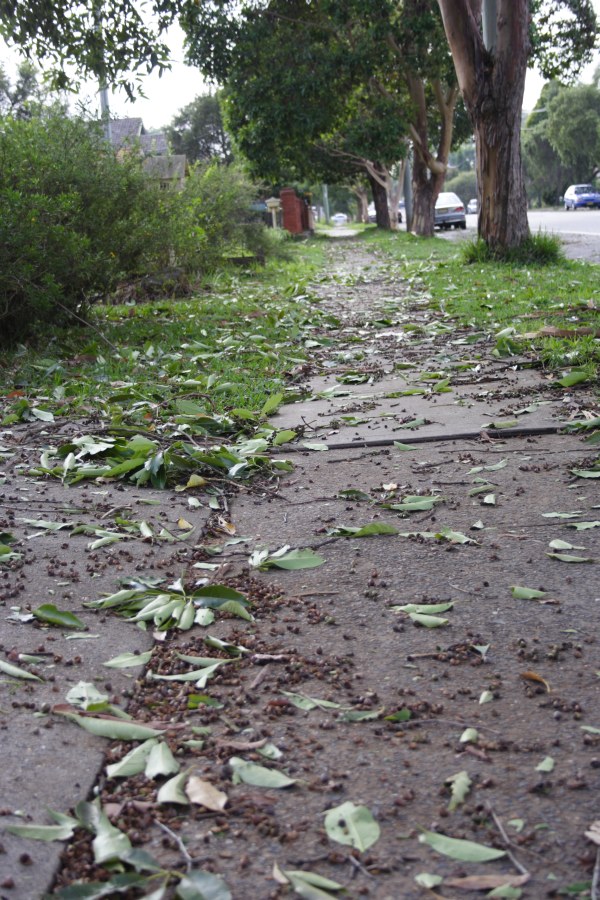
point(546, 765)
point(569, 558)
point(427, 880)
point(115, 729)
point(301, 701)
point(172, 791)
point(133, 763)
point(129, 659)
point(199, 885)
point(259, 776)
point(428, 621)
point(352, 825)
point(525, 593)
point(469, 736)
point(460, 785)
point(15, 672)
point(161, 761)
point(464, 851)
point(425, 608)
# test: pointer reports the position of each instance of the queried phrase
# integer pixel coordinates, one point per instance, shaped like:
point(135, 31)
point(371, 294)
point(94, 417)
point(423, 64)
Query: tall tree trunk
point(362, 203)
point(492, 84)
point(382, 213)
point(425, 192)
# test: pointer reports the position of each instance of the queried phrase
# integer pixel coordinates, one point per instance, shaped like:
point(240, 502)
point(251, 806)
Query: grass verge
point(546, 310)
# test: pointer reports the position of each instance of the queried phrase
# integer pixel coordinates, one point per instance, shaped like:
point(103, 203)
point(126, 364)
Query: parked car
point(581, 195)
point(449, 211)
point(473, 205)
point(339, 219)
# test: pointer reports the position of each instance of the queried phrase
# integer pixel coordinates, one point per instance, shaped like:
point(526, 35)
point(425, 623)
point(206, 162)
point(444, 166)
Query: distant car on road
point(473, 206)
point(582, 195)
point(339, 219)
point(449, 211)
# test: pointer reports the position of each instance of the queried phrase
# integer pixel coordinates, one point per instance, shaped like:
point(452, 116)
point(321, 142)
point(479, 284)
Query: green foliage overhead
point(108, 39)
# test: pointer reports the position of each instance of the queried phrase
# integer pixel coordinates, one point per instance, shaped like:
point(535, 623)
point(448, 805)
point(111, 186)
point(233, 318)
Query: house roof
point(125, 131)
point(154, 144)
point(172, 168)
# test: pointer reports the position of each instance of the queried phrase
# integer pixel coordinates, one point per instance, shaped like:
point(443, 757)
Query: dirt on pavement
point(478, 722)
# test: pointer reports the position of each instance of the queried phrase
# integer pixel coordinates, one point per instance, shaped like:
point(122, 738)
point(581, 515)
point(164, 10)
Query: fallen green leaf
point(464, 851)
point(352, 825)
point(50, 615)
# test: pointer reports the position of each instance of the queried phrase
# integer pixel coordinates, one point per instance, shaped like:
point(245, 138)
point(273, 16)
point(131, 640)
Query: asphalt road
point(579, 230)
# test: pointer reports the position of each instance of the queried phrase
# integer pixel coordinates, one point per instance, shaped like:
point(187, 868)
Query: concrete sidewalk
point(482, 436)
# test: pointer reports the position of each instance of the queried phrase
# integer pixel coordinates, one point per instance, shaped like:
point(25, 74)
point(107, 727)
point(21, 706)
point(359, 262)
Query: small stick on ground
point(507, 841)
point(189, 861)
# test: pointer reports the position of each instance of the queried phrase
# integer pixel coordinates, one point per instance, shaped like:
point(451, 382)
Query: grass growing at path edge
point(556, 305)
point(226, 347)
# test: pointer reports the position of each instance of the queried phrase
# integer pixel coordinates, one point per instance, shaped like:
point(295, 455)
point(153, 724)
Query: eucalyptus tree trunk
point(492, 82)
point(362, 203)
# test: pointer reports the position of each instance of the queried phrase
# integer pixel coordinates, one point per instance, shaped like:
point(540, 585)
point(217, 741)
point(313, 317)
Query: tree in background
point(198, 131)
point(546, 176)
point(294, 70)
point(21, 98)
point(491, 75)
point(573, 132)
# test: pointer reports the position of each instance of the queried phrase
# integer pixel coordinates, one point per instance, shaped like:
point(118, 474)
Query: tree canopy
point(198, 131)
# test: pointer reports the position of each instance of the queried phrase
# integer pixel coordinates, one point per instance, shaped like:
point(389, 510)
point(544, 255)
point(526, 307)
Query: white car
point(473, 206)
point(339, 219)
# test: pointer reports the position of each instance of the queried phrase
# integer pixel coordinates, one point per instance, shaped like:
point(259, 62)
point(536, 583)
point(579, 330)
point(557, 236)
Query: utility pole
point(407, 190)
point(326, 203)
point(103, 89)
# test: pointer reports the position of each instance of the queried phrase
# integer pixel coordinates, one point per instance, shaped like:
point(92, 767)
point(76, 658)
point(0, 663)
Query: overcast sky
point(167, 95)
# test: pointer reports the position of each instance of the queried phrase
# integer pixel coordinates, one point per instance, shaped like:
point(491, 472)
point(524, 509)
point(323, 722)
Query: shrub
point(74, 221)
point(212, 220)
point(464, 184)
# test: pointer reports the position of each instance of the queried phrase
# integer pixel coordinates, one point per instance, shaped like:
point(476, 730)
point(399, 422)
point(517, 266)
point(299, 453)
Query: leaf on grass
point(172, 790)
point(352, 825)
point(50, 615)
point(203, 793)
point(460, 785)
point(15, 672)
point(537, 679)
point(465, 851)
point(259, 776)
point(201, 885)
point(546, 765)
point(129, 659)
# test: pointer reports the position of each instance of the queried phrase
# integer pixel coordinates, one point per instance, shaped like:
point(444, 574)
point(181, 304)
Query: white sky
point(167, 95)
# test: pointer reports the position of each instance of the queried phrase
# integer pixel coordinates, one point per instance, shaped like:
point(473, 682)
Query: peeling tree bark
point(492, 86)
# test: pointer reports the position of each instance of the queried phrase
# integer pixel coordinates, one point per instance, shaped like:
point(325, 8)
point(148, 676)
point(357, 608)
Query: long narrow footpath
point(434, 680)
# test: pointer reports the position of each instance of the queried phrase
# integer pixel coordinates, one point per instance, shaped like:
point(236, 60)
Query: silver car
point(449, 211)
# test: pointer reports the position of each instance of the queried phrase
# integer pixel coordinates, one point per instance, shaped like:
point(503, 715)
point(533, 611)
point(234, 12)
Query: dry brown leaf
point(203, 793)
point(533, 676)
point(593, 833)
point(486, 882)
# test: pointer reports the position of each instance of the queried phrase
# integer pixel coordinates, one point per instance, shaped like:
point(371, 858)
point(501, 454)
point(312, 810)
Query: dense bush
point(212, 219)
point(73, 221)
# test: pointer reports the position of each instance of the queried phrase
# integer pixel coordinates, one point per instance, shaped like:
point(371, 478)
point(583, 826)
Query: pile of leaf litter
point(244, 762)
